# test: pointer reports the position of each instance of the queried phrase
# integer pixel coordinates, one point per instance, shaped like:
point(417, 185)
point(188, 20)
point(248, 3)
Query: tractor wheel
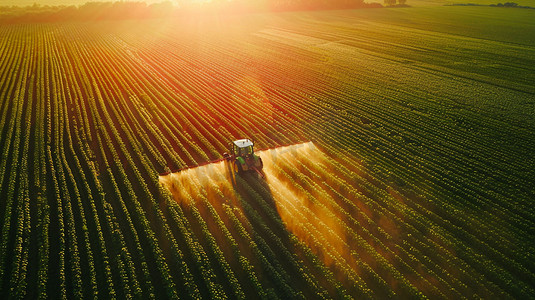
point(238, 167)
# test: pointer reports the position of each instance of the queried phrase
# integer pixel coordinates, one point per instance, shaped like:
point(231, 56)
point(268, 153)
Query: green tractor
point(243, 158)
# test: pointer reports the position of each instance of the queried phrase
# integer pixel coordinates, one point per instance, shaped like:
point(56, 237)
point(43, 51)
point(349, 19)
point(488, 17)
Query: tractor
point(243, 158)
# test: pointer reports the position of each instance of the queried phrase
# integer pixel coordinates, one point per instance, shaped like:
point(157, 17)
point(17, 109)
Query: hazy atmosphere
point(267, 149)
point(63, 2)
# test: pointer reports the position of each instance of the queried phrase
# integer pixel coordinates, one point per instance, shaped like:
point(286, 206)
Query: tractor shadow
point(278, 260)
point(269, 221)
point(240, 214)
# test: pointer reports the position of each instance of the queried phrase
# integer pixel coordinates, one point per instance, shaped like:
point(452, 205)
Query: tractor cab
point(242, 148)
point(243, 157)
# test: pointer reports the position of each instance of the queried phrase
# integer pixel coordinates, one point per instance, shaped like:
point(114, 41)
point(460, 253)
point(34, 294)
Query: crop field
point(406, 165)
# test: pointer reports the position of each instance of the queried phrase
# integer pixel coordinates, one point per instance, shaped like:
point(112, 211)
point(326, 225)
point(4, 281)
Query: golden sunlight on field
point(302, 216)
point(305, 213)
point(186, 183)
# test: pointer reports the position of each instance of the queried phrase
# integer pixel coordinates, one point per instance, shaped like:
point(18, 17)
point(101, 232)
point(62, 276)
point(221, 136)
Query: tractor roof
point(243, 143)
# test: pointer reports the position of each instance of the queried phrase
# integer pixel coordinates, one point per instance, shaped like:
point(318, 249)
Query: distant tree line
point(395, 2)
point(136, 10)
point(512, 4)
point(88, 11)
point(506, 4)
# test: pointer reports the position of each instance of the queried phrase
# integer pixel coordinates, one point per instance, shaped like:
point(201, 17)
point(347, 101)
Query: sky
point(62, 2)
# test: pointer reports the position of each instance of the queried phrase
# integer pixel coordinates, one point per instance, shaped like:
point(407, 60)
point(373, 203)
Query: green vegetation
point(420, 184)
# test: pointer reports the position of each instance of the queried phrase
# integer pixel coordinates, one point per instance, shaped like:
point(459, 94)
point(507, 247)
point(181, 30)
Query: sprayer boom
point(241, 156)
